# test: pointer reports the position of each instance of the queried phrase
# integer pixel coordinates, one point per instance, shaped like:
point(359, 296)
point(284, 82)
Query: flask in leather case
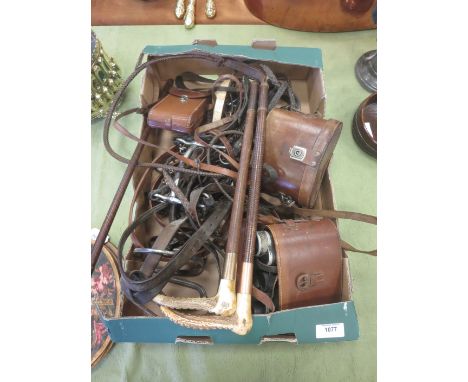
point(309, 262)
point(298, 150)
point(182, 110)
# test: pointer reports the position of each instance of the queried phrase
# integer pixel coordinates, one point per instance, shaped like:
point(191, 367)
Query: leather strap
point(212, 127)
point(191, 210)
point(192, 77)
point(305, 212)
point(243, 68)
point(279, 93)
point(332, 214)
point(348, 247)
point(192, 94)
point(215, 126)
point(143, 291)
point(136, 193)
point(281, 87)
point(265, 267)
point(151, 261)
point(190, 162)
point(263, 298)
point(310, 212)
point(268, 219)
point(211, 187)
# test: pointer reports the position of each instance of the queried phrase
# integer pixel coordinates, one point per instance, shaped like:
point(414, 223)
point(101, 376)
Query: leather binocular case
point(309, 262)
point(298, 150)
point(182, 110)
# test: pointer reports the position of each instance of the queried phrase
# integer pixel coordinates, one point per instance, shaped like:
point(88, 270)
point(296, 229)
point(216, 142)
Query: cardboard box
point(323, 323)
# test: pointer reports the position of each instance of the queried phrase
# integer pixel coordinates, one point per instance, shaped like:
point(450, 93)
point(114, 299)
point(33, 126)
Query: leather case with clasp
point(298, 150)
point(308, 256)
point(182, 110)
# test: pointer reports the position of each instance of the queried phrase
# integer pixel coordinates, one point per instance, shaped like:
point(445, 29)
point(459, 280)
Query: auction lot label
point(330, 330)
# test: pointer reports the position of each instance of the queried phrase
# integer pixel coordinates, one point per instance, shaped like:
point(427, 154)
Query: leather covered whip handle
point(110, 216)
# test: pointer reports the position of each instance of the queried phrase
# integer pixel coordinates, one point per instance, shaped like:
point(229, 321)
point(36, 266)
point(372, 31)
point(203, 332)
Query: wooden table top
point(161, 12)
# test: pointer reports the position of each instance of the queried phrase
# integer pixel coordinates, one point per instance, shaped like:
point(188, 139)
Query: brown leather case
point(309, 261)
point(181, 110)
point(298, 149)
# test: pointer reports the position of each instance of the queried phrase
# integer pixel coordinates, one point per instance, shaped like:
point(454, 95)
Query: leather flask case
point(309, 261)
point(298, 149)
point(182, 110)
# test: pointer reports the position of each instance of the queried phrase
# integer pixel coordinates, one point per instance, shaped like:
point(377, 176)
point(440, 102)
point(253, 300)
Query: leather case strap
point(191, 94)
point(318, 213)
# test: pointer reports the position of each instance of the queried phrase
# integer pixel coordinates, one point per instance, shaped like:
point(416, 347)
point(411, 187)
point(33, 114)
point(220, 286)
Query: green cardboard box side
point(302, 325)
